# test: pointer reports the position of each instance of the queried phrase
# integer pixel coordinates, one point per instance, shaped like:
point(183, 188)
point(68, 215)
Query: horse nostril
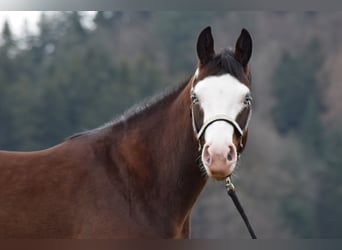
point(229, 157)
point(208, 160)
point(231, 154)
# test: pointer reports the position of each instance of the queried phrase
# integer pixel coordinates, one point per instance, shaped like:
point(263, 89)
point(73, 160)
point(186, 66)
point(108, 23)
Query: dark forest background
point(68, 78)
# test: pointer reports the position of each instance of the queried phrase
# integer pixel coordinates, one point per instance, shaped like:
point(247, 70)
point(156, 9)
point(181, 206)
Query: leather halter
point(221, 117)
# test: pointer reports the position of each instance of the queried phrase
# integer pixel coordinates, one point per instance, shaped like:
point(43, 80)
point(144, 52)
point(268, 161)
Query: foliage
point(173, 27)
point(296, 90)
point(300, 216)
point(63, 83)
point(298, 110)
point(329, 205)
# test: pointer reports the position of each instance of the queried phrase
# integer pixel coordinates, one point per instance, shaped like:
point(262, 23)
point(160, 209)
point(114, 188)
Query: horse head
point(221, 102)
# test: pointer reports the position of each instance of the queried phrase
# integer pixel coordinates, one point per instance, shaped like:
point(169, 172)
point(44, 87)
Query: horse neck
point(160, 158)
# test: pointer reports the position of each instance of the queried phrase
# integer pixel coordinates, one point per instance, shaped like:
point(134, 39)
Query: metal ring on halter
point(229, 184)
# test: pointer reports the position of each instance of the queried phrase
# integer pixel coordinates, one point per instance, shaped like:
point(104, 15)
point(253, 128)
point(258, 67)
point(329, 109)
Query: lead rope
point(231, 192)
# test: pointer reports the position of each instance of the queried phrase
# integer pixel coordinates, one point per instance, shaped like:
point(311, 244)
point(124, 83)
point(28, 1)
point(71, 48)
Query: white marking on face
point(220, 95)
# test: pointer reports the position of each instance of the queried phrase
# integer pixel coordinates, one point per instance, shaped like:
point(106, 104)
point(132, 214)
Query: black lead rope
point(231, 192)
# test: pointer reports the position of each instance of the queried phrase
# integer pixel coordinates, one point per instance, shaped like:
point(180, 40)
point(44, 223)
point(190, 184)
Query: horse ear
point(205, 46)
point(243, 48)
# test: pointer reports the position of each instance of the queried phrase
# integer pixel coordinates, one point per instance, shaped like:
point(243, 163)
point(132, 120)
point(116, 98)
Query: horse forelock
point(224, 63)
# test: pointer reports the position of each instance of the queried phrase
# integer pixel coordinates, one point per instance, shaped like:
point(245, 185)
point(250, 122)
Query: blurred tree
point(298, 102)
point(81, 86)
point(104, 19)
point(287, 112)
point(178, 32)
point(311, 129)
point(7, 35)
point(76, 24)
point(329, 204)
point(22, 103)
point(298, 109)
point(7, 78)
point(299, 215)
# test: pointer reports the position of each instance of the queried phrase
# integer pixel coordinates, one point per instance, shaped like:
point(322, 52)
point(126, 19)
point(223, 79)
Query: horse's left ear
point(243, 48)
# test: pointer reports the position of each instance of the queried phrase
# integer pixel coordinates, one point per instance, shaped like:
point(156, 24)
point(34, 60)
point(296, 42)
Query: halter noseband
point(199, 133)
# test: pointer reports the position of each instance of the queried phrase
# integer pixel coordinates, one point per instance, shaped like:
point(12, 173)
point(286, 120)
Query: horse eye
point(248, 100)
point(194, 98)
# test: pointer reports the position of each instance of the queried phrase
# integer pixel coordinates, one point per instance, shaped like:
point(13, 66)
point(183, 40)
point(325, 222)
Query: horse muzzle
point(219, 161)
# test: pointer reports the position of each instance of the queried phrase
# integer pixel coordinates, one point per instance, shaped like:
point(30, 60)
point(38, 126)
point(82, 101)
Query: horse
point(139, 175)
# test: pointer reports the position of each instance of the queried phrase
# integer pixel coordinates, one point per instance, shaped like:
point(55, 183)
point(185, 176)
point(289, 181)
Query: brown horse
point(140, 175)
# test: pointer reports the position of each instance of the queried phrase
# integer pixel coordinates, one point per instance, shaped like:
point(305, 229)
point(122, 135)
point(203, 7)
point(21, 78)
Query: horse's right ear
point(205, 46)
